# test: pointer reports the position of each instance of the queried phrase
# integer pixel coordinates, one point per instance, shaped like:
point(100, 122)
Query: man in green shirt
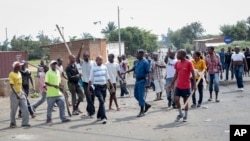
point(54, 95)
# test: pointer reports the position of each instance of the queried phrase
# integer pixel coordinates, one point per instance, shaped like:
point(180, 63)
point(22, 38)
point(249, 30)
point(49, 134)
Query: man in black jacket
point(73, 77)
point(227, 63)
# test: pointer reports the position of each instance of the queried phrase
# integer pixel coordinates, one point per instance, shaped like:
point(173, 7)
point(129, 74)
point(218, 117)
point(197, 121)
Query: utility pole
point(119, 31)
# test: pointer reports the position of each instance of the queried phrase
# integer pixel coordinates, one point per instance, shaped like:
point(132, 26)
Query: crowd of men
point(88, 79)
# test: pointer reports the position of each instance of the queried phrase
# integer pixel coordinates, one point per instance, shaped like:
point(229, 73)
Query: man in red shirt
point(184, 68)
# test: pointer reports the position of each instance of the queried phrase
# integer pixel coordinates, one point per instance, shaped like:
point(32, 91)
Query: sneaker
point(147, 107)
point(184, 119)
point(210, 99)
point(141, 114)
point(67, 120)
point(12, 125)
point(241, 89)
point(178, 118)
point(104, 121)
point(193, 106)
point(75, 113)
point(199, 105)
point(26, 125)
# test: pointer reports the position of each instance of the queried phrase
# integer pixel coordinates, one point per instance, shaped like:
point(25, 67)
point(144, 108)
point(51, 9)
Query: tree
point(192, 31)
point(135, 39)
point(239, 31)
point(86, 35)
point(73, 38)
point(109, 28)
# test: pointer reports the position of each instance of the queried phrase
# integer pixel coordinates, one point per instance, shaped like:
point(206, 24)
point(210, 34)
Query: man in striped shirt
point(99, 77)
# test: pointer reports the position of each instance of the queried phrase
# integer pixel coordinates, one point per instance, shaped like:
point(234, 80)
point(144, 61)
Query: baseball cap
point(53, 62)
point(140, 51)
point(16, 64)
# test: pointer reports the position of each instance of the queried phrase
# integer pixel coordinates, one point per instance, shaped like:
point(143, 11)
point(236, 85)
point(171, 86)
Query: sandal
point(210, 99)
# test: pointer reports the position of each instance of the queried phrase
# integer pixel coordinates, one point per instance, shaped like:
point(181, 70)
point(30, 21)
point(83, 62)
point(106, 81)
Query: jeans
point(170, 94)
point(200, 90)
point(227, 71)
point(59, 100)
point(238, 71)
point(22, 103)
point(41, 101)
point(213, 82)
point(100, 93)
point(90, 100)
point(123, 87)
point(139, 92)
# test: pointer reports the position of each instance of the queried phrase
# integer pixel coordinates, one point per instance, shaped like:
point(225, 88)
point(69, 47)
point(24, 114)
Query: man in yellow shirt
point(199, 65)
point(54, 95)
point(17, 96)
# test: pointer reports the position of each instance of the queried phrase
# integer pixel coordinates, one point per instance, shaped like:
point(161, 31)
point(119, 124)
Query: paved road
point(208, 123)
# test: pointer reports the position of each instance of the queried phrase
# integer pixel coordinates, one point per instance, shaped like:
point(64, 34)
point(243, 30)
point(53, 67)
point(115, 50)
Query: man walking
point(114, 72)
point(214, 69)
point(26, 78)
point(73, 78)
point(123, 84)
point(142, 70)
point(54, 95)
point(184, 68)
point(42, 87)
point(99, 77)
point(87, 65)
point(17, 97)
point(238, 62)
point(170, 61)
point(157, 75)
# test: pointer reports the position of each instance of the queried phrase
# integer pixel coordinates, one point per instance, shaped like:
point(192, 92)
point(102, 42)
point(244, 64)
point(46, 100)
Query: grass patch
point(35, 62)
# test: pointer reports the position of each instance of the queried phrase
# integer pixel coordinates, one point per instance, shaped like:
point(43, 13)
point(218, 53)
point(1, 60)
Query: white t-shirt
point(60, 69)
point(170, 70)
point(238, 57)
point(112, 70)
point(86, 67)
point(99, 75)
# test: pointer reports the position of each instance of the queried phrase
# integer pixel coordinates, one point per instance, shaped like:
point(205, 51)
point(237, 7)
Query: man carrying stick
point(142, 70)
point(73, 78)
point(183, 68)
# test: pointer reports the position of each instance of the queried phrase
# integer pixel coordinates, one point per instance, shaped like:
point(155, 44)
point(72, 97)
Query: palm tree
point(109, 28)
point(86, 35)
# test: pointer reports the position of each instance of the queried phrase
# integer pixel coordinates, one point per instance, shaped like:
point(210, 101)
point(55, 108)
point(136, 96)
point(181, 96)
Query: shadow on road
point(171, 125)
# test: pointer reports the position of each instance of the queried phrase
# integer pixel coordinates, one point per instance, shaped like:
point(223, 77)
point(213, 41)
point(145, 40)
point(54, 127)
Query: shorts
point(184, 93)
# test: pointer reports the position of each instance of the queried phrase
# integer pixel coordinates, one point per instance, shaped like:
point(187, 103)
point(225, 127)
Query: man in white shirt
point(114, 72)
point(98, 77)
point(238, 62)
point(87, 65)
point(170, 61)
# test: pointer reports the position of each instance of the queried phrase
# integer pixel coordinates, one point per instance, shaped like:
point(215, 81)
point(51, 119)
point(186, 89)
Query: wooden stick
point(197, 82)
point(67, 46)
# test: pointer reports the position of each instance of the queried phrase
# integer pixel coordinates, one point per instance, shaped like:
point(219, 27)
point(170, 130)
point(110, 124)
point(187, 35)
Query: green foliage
point(239, 31)
point(33, 47)
point(109, 28)
point(135, 39)
point(184, 35)
point(241, 44)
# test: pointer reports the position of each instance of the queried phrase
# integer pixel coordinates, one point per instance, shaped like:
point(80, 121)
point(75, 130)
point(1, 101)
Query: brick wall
point(97, 47)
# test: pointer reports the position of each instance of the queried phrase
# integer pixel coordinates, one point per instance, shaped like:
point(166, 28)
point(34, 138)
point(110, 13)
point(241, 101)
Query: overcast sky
point(28, 17)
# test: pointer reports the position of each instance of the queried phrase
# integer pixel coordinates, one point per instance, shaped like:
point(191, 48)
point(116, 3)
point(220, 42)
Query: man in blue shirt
point(141, 70)
point(222, 58)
